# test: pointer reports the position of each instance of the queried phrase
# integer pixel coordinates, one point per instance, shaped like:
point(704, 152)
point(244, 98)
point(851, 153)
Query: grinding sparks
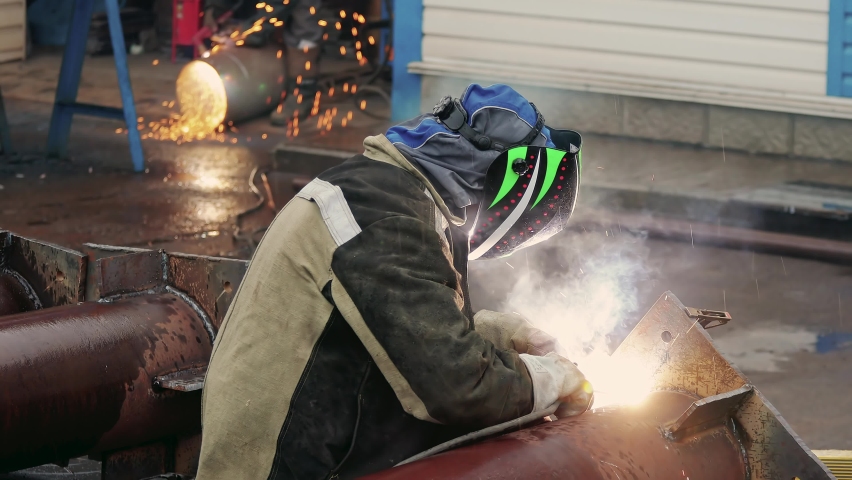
point(371, 40)
point(203, 104)
point(363, 104)
point(155, 62)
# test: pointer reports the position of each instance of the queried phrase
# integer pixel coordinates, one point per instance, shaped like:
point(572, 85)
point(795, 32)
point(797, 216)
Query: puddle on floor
point(764, 349)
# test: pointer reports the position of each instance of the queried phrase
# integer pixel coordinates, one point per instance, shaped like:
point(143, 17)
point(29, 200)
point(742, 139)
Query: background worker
point(351, 344)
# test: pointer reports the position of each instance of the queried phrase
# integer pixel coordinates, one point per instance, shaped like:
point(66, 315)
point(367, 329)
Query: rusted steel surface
point(682, 356)
point(212, 282)
point(14, 297)
point(77, 379)
point(623, 442)
point(56, 274)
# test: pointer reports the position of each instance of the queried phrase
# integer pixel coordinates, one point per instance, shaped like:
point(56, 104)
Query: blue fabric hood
point(457, 167)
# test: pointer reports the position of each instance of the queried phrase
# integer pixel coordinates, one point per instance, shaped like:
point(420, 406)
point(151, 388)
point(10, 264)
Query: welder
point(351, 344)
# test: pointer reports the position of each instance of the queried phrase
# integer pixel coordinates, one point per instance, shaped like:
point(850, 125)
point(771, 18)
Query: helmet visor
point(529, 194)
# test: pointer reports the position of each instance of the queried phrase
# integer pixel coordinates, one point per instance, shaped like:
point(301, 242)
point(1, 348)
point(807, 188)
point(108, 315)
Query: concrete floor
point(188, 198)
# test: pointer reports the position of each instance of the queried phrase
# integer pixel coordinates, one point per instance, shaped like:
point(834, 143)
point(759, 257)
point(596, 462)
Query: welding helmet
point(529, 191)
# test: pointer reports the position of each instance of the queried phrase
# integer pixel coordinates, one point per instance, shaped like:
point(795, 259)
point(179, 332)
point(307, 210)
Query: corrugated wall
point(770, 48)
point(13, 17)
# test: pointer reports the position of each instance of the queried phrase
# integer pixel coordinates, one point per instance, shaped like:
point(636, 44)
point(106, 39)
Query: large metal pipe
point(622, 442)
point(77, 379)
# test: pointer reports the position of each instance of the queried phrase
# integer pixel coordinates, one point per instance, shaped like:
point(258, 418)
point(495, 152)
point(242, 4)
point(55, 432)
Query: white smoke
point(580, 287)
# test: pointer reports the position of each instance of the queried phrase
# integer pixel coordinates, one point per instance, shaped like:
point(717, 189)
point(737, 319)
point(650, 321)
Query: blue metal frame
point(65, 105)
point(407, 48)
point(839, 76)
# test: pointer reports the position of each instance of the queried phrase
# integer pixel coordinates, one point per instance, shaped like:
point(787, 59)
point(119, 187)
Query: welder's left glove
point(509, 331)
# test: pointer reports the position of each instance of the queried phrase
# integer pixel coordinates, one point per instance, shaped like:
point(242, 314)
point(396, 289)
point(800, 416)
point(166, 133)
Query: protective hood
point(456, 165)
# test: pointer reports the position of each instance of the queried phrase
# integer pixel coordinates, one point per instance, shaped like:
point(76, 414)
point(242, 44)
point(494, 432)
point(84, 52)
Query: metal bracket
point(709, 412)
point(708, 318)
point(188, 380)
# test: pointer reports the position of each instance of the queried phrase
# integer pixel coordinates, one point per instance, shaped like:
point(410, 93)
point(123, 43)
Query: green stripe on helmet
point(510, 178)
point(553, 158)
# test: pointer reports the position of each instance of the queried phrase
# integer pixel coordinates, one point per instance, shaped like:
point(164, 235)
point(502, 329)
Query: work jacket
point(351, 344)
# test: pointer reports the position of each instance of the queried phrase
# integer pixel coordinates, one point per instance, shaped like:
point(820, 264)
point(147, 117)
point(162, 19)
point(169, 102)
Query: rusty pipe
point(77, 379)
point(611, 443)
point(15, 295)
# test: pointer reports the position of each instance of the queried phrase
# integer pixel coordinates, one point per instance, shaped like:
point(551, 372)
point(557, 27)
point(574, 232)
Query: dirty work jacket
point(350, 345)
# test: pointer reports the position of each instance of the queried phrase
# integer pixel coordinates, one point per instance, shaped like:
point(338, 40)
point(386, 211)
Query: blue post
point(116, 34)
point(836, 27)
point(69, 79)
point(65, 105)
point(407, 46)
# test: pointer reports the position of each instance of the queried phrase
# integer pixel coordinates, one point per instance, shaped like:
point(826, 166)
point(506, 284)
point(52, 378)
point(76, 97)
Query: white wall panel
point(666, 14)
point(502, 29)
point(737, 48)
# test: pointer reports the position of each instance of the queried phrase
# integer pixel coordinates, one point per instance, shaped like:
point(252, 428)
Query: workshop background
point(717, 155)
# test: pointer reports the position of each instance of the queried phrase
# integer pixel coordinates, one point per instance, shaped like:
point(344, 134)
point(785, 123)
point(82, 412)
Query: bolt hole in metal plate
point(666, 336)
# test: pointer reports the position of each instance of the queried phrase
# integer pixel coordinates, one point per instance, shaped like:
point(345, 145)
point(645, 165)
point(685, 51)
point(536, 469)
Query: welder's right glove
point(557, 379)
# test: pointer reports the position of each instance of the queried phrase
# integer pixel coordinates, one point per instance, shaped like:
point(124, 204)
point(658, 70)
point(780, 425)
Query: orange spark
point(342, 50)
point(155, 62)
point(322, 23)
point(313, 10)
point(371, 40)
point(363, 104)
point(342, 14)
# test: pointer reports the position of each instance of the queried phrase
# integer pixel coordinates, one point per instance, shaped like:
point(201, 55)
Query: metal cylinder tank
point(77, 379)
point(612, 443)
point(231, 84)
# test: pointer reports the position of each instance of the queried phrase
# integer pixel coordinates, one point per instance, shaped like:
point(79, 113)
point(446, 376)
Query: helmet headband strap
point(452, 114)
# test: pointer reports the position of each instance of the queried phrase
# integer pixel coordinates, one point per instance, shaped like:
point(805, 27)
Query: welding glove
point(557, 379)
point(509, 331)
